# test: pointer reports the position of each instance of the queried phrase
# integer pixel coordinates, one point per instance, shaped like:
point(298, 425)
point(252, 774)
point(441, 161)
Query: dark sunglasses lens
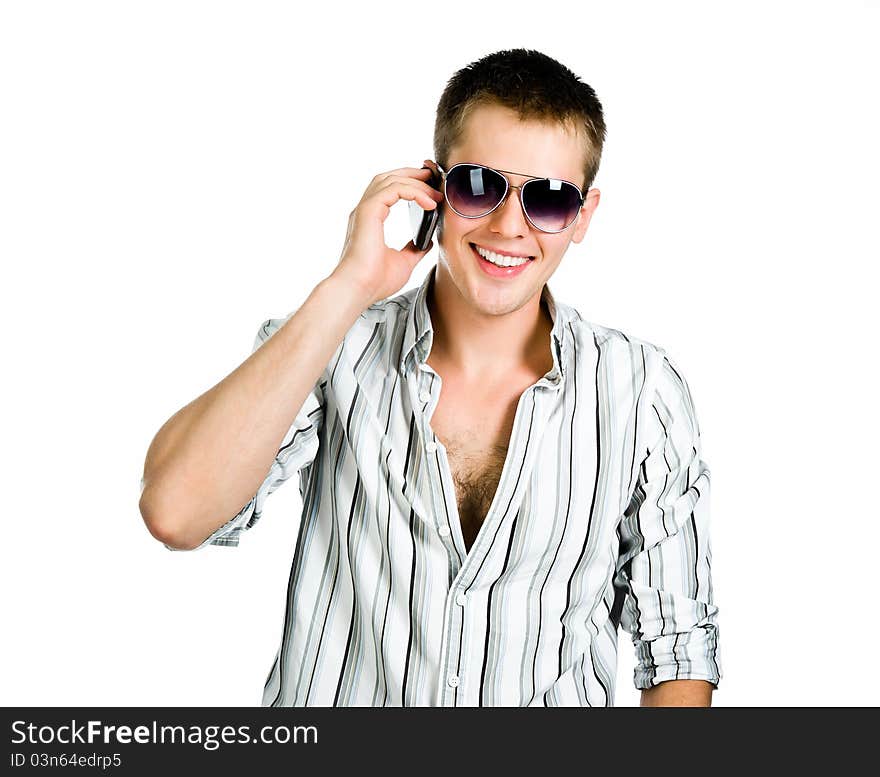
point(472, 190)
point(551, 205)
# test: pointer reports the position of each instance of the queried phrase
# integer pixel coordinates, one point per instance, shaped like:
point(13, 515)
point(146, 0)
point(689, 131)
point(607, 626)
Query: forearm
point(208, 459)
point(679, 693)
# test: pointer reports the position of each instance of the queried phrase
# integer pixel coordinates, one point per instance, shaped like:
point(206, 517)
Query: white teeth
point(501, 261)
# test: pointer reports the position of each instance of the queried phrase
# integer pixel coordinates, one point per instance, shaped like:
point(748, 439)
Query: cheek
point(451, 228)
point(552, 253)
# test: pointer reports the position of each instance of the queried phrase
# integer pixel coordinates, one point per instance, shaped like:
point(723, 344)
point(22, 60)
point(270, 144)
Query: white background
point(173, 173)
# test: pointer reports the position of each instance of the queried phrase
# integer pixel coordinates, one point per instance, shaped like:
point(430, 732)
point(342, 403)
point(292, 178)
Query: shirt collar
point(418, 334)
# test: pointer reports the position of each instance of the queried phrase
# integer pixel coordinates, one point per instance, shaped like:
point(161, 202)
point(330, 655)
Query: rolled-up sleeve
point(665, 564)
point(298, 450)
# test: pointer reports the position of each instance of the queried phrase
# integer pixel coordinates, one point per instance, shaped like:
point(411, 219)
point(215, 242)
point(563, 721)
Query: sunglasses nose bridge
point(499, 210)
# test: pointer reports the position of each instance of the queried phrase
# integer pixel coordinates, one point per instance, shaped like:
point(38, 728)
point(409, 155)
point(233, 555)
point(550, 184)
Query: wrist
point(347, 290)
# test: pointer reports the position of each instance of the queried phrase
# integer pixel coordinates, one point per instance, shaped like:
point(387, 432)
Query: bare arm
point(679, 693)
point(209, 458)
point(207, 461)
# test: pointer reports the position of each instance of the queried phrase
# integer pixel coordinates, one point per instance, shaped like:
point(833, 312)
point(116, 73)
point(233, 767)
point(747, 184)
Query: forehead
point(494, 136)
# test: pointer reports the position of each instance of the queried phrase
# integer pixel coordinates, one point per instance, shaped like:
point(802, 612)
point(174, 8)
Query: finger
point(412, 253)
point(407, 184)
point(407, 179)
point(420, 172)
point(423, 185)
point(395, 191)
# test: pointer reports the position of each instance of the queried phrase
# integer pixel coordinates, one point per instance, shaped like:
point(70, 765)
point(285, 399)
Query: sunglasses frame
point(508, 186)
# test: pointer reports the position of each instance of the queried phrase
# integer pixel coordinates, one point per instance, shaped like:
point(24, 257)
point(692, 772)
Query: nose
point(508, 219)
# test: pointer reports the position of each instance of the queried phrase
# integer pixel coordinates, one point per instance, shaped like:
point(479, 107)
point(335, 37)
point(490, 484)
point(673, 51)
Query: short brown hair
point(536, 86)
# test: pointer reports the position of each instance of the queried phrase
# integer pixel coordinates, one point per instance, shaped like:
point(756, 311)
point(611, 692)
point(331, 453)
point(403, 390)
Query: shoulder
point(391, 310)
point(395, 306)
point(608, 339)
point(374, 328)
point(385, 319)
point(386, 312)
point(645, 359)
point(375, 332)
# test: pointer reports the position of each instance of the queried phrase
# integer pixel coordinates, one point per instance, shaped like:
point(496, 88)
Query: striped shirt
point(601, 517)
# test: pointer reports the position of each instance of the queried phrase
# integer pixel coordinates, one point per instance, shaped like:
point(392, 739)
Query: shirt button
point(460, 598)
point(452, 680)
point(443, 531)
point(431, 447)
point(424, 396)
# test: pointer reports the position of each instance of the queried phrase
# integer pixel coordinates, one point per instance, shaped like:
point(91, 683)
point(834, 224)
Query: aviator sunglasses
point(473, 191)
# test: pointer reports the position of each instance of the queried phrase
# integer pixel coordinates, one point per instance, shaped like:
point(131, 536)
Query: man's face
point(494, 136)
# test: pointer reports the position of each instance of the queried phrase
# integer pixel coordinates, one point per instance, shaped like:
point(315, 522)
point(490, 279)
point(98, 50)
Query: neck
point(484, 347)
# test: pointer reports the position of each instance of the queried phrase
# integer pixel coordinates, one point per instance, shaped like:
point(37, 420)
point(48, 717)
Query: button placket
point(453, 620)
point(448, 665)
point(430, 445)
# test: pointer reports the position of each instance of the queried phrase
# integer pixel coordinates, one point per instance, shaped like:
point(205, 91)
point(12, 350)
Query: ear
point(591, 202)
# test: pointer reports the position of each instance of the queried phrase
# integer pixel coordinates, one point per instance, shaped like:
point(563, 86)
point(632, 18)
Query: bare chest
point(476, 433)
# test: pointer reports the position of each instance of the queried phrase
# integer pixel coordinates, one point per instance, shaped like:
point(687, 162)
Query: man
point(491, 484)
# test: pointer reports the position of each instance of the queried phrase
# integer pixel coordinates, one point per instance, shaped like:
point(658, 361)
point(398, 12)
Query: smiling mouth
point(515, 258)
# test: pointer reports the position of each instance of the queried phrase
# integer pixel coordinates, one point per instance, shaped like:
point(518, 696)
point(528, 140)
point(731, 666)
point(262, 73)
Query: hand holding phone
point(367, 262)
